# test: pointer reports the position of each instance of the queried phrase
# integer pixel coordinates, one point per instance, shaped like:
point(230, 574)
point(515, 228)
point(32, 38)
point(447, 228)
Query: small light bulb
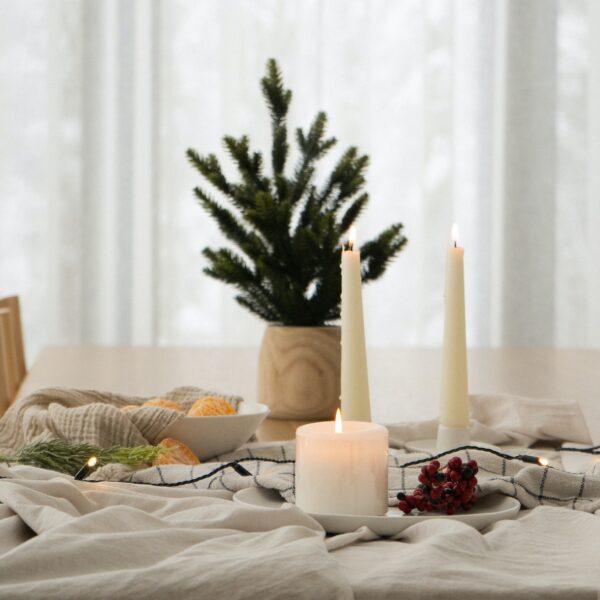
point(92, 461)
point(543, 461)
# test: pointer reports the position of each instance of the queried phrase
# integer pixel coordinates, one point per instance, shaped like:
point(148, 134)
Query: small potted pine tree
point(286, 268)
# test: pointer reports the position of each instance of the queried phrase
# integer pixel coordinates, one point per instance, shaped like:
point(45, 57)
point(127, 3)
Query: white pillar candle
point(454, 408)
point(343, 471)
point(356, 405)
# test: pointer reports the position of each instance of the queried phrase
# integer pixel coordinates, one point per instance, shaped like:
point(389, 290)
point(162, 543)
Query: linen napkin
point(501, 419)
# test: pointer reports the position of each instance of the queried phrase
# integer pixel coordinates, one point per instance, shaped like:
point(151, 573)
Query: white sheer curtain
point(476, 111)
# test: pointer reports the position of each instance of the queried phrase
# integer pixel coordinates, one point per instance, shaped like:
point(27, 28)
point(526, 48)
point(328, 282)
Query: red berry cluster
point(446, 489)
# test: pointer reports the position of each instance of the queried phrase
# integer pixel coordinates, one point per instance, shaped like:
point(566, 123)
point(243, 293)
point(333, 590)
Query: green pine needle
point(64, 457)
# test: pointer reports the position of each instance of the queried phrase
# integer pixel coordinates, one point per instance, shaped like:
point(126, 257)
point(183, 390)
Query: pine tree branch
point(312, 147)
point(351, 181)
point(250, 243)
point(210, 168)
point(352, 212)
point(277, 97)
point(288, 230)
point(378, 253)
point(337, 175)
point(280, 149)
point(227, 266)
point(310, 209)
point(325, 300)
point(272, 218)
point(250, 166)
point(278, 101)
point(258, 308)
point(301, 182)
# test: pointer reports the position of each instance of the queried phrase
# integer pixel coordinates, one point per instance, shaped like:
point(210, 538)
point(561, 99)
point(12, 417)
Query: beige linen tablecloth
point(66, 539)
point(61, 539)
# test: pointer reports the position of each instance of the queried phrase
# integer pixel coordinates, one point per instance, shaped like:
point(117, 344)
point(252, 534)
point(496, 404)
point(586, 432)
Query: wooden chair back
point(12, 351)
point(6, 359)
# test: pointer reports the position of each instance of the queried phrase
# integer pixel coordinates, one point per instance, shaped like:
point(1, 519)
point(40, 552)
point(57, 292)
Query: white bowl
point(208, 437)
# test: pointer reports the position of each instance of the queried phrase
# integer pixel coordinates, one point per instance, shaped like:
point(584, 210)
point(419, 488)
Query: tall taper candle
point(356, 405)
point(454, 409)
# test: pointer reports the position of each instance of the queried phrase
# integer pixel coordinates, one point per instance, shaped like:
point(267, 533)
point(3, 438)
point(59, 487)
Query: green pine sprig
point(64, 457)
point(287, 230)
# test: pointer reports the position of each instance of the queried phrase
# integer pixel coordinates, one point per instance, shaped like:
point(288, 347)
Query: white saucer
point(487, 510)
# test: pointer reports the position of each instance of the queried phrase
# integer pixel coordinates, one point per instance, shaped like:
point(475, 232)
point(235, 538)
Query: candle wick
point(455, 243)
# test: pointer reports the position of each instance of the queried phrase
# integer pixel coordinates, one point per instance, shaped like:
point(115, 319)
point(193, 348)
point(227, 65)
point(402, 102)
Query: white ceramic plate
point(208, 437)
point(486, 511)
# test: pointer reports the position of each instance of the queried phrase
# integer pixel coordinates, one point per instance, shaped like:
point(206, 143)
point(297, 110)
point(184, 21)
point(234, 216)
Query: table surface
point(404, 381)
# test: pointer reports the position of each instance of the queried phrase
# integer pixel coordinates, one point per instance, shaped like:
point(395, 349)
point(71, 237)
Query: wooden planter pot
point(299, 372)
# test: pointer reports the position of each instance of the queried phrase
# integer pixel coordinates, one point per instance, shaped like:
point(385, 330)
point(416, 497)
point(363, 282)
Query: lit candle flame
point(92, 461)
point(543, 461)
point(352, 237)
point(455, 234)
point(338, 421)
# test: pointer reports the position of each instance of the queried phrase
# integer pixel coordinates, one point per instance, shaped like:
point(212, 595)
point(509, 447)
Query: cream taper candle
point(454, 408)
point(356, 404)
point(342, 468)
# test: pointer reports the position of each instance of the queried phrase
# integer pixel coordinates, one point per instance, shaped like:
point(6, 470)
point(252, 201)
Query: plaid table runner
point(531, 484)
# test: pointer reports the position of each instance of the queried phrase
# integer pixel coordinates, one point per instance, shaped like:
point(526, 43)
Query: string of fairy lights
point(236, 465)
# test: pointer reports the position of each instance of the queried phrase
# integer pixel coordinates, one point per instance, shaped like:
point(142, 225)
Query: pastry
point(211, 406)
point(177, 454)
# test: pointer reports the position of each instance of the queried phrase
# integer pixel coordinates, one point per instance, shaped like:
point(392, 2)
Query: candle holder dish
point(486, 511)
